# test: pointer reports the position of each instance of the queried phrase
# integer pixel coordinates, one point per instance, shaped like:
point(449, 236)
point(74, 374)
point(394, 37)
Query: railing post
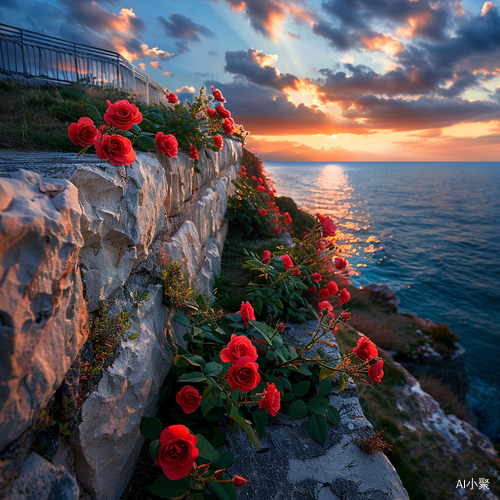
point(76, 63)
point(118, 71)
point(22, 52)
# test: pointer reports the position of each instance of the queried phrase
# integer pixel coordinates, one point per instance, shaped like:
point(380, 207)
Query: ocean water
point(431, 231)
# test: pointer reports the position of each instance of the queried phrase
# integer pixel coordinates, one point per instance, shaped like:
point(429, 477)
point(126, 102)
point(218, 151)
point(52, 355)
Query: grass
point(37, 119)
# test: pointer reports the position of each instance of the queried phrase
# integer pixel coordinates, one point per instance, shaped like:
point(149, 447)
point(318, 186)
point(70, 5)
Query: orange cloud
point(415, 25)
point(155, 52)
point(487, 6)
point(383, 43)
point(191, 90)
point(142, 66)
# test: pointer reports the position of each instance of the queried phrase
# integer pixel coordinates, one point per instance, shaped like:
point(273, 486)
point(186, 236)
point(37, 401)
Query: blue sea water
point(431, 231)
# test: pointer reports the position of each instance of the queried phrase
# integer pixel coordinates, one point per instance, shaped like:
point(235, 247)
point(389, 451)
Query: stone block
point(108, 442)
point(42, 311)
point(40, 480)
point(121, 209)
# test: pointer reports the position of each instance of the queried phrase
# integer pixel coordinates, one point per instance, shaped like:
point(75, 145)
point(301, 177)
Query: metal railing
point(30, 54)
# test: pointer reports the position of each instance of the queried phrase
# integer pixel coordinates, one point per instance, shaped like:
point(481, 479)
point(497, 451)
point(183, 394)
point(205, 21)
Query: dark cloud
point(338, 38)
point(213, 53)
point(254, 66)
point(183, 28)
point(420, 114)
point(269, 112)
point(429, 21)
point(266, 16)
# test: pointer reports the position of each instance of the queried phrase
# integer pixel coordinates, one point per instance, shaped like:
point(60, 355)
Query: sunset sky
point(332, 80)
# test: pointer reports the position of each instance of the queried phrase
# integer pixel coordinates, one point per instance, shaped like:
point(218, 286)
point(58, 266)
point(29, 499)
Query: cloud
point(487, 6)
point(285, 150)
point(156, 65)
point(181, 27)
point(167, 73)
point(186, 89)
point(267, 16)
point(338, 38)
point(257, 68)
point(155, 52)
point(265, 111)
point(142, 66)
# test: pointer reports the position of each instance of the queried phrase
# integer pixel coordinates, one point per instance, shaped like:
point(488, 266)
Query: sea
point(429, 230)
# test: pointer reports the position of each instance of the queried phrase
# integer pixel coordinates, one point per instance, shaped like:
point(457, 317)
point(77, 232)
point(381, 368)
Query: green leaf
point(209, 398)
point(133, 336)
point(192, 377)
point(276, 381)
point(259, 424)
point(206, 449)
point(165, 488)
point(225, 461)
point(301, 388)
point(93, 112)
point(244, 425)
point(286, 384)
point(318, 409)
point(83, 151)
point(258, 304)
point(333, 415)
point(225, 491)
point(154, 449)
point(193, 359)
point(298, 409)
point(156, 117)
point(235, 395)
point(145, 142)
point(325, 387)
point(277, 341)
point(182, 320)
point(150, 427)
point(136, 129)
point(342, 381)
point(288, 397)
point(200, 300)
point(262, 329)
point(147, 126)
point(304, 370)
point(318, 428)
point(212, 369)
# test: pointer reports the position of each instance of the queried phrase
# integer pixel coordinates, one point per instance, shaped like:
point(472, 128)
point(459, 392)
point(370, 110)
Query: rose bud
point(375, 372)
point(344, 296)
point(332, 287)
point(324, 293)
point(219, 473)
point(247, 313)
point(287, 261)
point(280, 327)
point(239, 481)
point(316, 277)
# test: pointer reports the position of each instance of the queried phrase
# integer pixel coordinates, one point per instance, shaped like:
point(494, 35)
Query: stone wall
point(76, 234)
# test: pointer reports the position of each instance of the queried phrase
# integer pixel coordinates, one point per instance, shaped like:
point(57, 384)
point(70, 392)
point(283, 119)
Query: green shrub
point(442, 334)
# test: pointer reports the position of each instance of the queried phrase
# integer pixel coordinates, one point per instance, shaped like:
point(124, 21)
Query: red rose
point(344, 296)
point(247, 313)
point(254, 178)
point(194, 152)
point(266, 256)
point(316, 277)
point(103, 128)
point(238, 347)
point(324, 305)
point(218, 141)
point(260, 181)
point(239, 481)
point(375, 372)
point(122, 114)
point(346, 316)
point(217, 94)
point(271, 399)
point(312, 289)
point(242, 167)
point(84, 133)
point(243, 375)
point(228, 126)
point(365, 350)
point(332, 288)
point(222, 111)
point(328, 225)
point(287, 260)
point(261, 189)
point(243, 174)
point(171, 97)
point(262, 212)
point(296, 271)
point(272, 192)
point(340, 263)
point(177, 452)
point(188, 398)
point(116, 148)
point(167, 144)
point(324, 293)
point(280, 327)
point(211, 112)
point(288, 219)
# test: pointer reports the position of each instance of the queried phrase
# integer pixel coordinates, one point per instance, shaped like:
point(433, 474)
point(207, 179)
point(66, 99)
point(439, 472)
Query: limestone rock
point(185, 248)
point(42, 312)
point(292, 464)
point(121, 209)
point(107, 444)
point(40, 480)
